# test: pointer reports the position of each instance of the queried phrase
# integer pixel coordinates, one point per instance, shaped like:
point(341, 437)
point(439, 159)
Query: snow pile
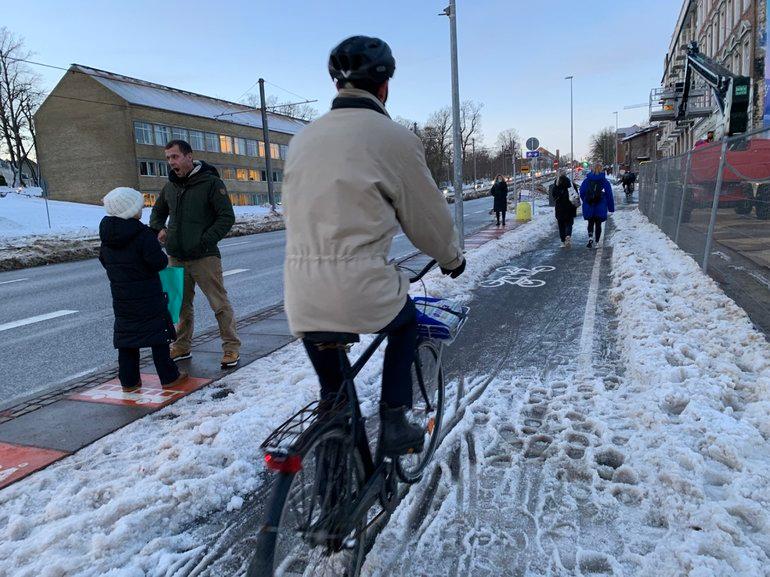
point(696, 393)
point(26, 240)
point(133, 502)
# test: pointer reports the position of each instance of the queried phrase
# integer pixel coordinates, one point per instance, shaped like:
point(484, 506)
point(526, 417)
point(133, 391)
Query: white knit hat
point(123, 202)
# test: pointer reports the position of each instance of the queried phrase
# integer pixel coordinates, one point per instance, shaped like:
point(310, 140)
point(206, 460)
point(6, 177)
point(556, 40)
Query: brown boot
point(178, 354)
point(230, 359)
point(179, 380)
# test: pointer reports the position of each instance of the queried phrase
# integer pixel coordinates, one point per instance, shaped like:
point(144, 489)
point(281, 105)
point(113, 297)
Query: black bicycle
point(329, 481)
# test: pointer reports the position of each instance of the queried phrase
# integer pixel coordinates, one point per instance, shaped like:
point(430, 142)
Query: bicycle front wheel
point(427, 409)
point(299, 537)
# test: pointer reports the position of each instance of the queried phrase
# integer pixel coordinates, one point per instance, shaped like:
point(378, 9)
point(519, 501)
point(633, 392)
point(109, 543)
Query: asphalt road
point(56, 321)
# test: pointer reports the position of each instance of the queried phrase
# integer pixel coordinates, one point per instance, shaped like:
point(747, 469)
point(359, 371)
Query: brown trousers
point(206, 272)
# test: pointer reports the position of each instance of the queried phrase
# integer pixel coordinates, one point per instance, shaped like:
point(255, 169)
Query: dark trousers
point(397, 367)
point(498, 213)
point(128, 366)
point(595, 224)
point(565, 228)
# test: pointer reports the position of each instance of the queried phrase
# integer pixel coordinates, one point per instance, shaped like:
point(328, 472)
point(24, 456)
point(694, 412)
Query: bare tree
point(509, 141)
point(20, 96)
point(470, 124)
point(436, 139)
point(293, 109)
point(603, 146)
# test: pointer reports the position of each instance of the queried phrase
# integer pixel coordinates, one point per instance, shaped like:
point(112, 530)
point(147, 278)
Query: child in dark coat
point(132, 256)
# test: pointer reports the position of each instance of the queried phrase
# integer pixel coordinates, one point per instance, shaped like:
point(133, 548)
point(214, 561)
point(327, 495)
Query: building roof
point(641, 132)
point(629, 130)
point(151, 95)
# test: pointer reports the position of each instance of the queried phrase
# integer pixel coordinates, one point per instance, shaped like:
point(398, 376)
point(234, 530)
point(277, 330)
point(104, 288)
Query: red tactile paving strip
point(150, 395)
point(483, 236)
point(17, 461)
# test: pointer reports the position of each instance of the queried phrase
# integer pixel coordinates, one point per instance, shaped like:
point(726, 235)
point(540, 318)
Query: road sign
point(533, 143)
point(533, 153)
point(524, 168)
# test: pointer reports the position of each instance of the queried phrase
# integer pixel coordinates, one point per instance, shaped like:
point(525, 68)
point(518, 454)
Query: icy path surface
point(650, 460)
point(179, 492)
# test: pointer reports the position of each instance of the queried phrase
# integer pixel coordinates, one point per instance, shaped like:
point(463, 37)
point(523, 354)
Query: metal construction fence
point(714, 203)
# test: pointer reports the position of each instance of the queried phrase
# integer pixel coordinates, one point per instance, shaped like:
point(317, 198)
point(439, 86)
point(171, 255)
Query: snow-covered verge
point(697, 390)
point(26, 239)
point(132, 503)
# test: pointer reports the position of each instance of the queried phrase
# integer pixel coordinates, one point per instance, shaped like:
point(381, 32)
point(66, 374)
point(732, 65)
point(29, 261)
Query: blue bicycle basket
point(439, 319)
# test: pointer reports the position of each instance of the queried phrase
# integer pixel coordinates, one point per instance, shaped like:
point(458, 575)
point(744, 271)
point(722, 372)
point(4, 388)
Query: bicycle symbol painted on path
point(518, 276)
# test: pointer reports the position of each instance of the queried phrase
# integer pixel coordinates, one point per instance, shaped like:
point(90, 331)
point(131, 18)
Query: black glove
point(454, 272)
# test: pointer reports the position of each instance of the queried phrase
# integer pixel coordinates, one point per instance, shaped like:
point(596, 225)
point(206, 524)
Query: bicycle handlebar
point(423, 272)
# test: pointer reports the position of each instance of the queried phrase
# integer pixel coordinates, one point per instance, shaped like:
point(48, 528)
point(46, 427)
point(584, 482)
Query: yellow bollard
point(524, 212)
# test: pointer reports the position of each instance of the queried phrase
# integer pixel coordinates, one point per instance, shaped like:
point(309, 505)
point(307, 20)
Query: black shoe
point(397, 435)
point(590, 243)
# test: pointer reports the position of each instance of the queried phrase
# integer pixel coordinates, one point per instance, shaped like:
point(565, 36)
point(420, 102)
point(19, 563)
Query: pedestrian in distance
point(565, 193)
point(132, 256)
point(597, 198)
point(499, 192)
point(199, 213)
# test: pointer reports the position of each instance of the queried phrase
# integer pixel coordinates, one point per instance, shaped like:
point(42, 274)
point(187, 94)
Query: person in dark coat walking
point(132, 256)
point(596, 194)
point(500, 194)
point(564, 210)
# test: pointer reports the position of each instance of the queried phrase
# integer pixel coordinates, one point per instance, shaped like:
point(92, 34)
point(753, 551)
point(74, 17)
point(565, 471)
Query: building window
point(251, 148)
point(746, 59)
point(180, 134)
point(240, 146)
point(147, 168)
point(277, 176)
point(212, 142)
point(241, 174)
point(254, 174)
point(227, 173)
point(143, 132)
point(162, 134)
point(226, 144)
point(263, 174)
point(162, 168)
point(274, 151)
point(197, 142)
point(284, 149)
point(261, 149)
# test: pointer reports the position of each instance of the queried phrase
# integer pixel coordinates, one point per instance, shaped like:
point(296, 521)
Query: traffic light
point(585, 164)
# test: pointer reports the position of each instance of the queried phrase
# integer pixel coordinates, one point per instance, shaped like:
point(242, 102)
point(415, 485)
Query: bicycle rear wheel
point(427, 409)
point(298, 537)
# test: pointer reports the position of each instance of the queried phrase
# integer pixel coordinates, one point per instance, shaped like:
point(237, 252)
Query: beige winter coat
point(352, 180)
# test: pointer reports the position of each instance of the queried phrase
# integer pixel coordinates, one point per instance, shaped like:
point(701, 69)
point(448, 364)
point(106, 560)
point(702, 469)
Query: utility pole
point(571, 132)
point(451, 11)
point(266, 137)
point(615, 164)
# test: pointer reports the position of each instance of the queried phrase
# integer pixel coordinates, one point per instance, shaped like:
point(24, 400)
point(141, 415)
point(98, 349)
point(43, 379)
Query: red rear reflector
point(291, 464)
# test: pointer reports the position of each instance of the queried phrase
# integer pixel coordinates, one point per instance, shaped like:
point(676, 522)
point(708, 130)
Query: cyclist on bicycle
point(353, 178)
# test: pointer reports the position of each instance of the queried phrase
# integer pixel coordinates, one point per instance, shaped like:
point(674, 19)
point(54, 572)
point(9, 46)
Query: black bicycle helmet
point(362, 58)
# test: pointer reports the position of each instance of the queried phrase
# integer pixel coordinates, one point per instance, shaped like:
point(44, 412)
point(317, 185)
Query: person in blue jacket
point(596, 194)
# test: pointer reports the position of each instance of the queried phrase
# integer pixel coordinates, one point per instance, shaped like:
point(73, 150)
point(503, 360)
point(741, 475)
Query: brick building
point(728, 31)
point(97, 130)
point(640, 146)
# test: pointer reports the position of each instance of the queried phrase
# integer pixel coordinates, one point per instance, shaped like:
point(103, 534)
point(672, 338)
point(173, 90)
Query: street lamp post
point(615, 164)
point(451, 11)
point(571, 132)
point(473, 151)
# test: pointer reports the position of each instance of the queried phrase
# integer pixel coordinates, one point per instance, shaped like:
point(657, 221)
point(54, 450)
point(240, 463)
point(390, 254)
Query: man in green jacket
point(199, 214)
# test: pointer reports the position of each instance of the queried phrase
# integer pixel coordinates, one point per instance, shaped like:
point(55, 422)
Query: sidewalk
point(45, 429)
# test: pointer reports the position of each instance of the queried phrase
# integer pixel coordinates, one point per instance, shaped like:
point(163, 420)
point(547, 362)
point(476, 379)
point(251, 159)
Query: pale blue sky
point(513, 54)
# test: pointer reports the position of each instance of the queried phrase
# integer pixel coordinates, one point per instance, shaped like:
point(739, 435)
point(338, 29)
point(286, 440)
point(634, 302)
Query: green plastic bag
point(172, 280)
